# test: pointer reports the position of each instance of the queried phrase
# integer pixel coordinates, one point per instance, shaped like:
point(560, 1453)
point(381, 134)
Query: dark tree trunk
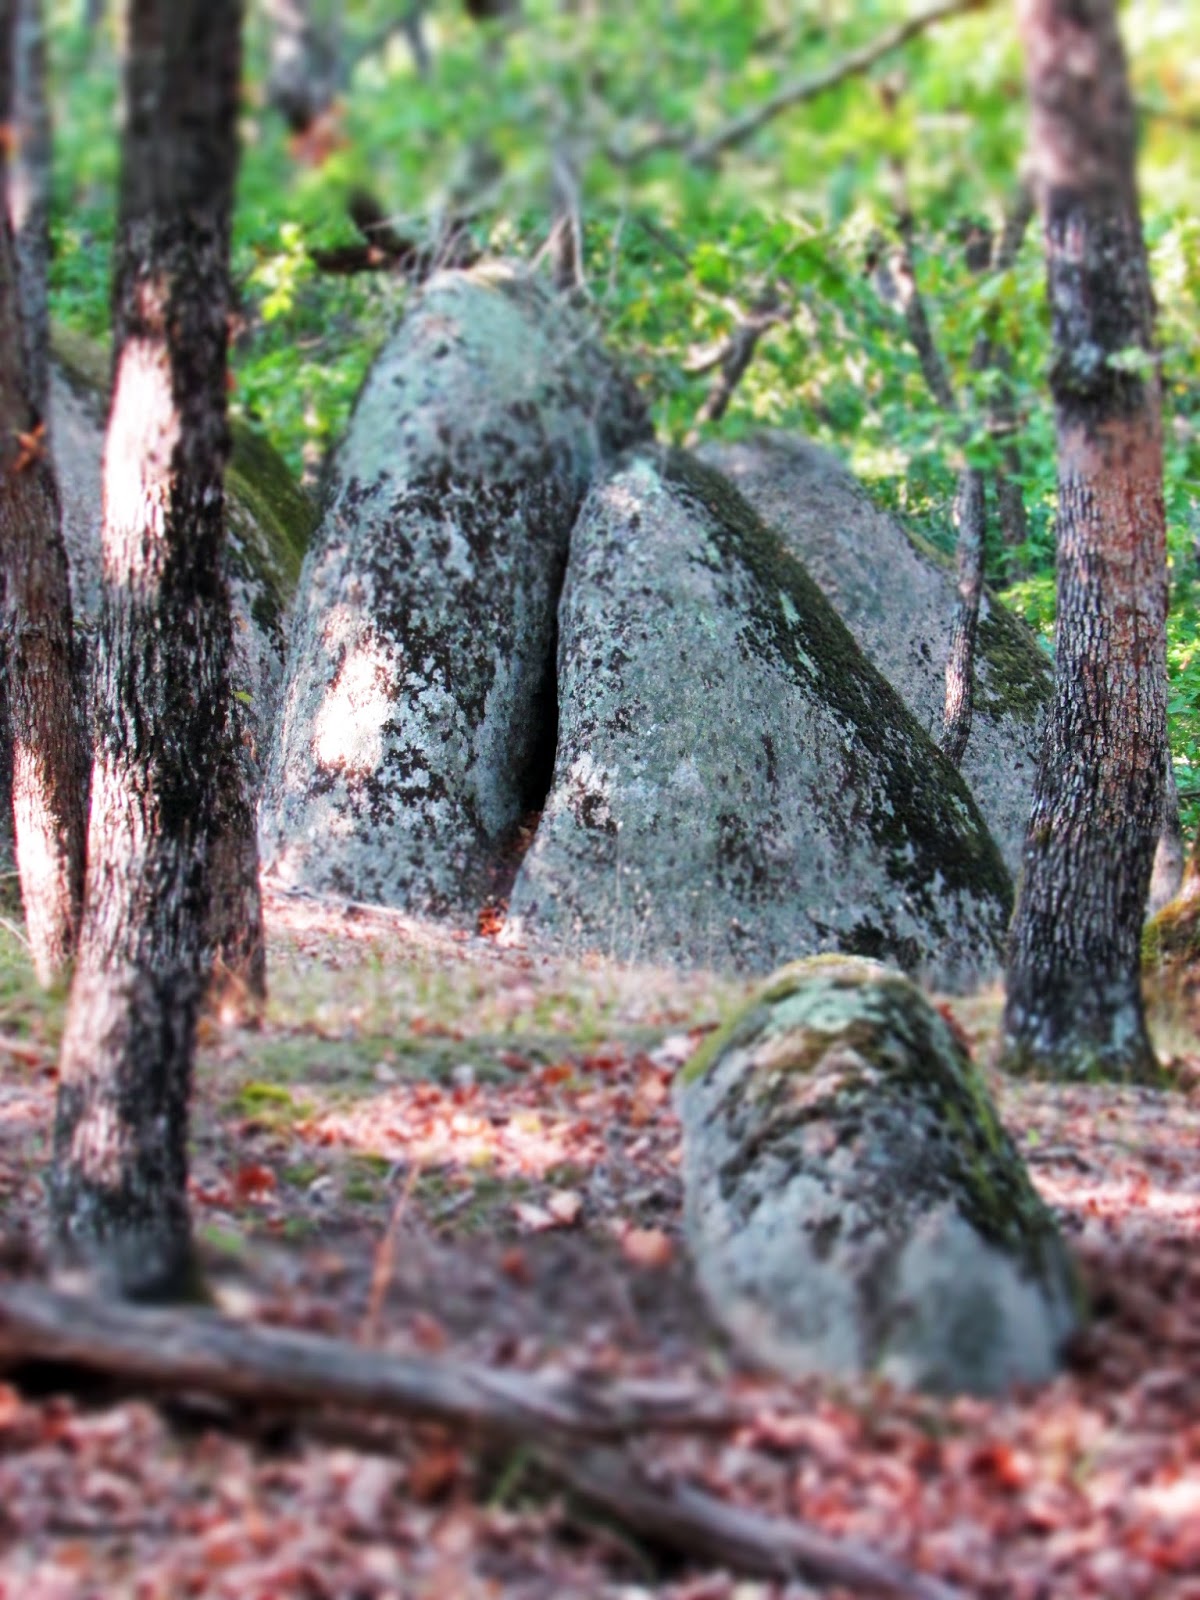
point(47, 777)
point(162, 660)
point(29, 193)
point(1074, 1003)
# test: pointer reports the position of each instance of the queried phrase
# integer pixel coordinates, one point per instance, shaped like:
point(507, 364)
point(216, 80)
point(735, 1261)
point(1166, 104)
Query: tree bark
point(1074, 1005)
point(162, 689)
point(29, 193)
point(47, 776)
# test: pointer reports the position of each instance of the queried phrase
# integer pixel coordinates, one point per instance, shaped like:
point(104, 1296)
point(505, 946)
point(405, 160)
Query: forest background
point(489, 122)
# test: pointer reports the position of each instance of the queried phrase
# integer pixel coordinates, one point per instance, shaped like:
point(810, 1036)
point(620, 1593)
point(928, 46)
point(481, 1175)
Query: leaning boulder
point(853, 1204)
point(735, 784)
point(269, 523)
point(418, 724)
point(897, 596)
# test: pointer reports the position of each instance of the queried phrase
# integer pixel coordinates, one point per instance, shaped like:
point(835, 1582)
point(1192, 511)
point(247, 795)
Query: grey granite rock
point(897, 596)
point(418, 722)
point(853, 1203)
point(735, 784)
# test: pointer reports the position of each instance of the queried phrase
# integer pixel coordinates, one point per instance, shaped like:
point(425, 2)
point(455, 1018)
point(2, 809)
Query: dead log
point(573, 1424)
point(201, 1351)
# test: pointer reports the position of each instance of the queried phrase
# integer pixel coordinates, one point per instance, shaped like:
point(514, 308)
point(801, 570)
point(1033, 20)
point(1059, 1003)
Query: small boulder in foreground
point(853, 1203)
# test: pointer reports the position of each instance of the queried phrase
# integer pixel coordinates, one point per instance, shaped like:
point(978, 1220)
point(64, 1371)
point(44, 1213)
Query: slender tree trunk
point(47, 780)
point(29, 193)
point(1074, 1002)
point(970, 505)
point(302, 76)
point(162, 661)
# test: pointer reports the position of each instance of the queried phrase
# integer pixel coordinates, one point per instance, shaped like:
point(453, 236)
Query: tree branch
point(851, 65)
point(735, 355)
point(193, 1353)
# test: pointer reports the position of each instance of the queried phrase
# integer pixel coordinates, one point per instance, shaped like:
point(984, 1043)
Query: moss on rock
point(853, 1200)
point(896, 594)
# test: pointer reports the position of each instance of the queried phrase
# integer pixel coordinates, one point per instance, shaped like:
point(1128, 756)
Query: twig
point(385, 1255)
point(735, 356)
point(1179, 119)
point(702, 151)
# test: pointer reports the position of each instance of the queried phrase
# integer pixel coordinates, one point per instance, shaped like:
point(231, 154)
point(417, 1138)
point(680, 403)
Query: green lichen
point(856, 1046)
point(925, 818)
point(1018, 681)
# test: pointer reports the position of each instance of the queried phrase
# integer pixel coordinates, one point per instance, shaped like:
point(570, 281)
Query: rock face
point(853, 1203)
point(270, 521)
point(418, 723)
point(898, 599)
point(735, 784)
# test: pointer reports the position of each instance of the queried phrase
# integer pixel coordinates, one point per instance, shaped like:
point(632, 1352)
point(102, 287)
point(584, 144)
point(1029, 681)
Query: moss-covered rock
point(419, 715)
point(897, 596)
point(270, 522)
point(735, 784)
point(853, 1203)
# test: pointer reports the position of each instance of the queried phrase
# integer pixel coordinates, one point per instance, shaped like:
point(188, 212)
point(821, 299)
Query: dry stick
point(279, 1368)
point(385, 1256)
point(735, 357)
point(746, 1542)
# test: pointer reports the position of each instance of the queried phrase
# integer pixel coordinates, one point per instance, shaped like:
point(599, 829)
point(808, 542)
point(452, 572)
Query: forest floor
point(434, 1144)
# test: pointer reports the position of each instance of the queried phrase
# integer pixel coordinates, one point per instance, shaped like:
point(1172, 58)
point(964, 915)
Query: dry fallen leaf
point(647, 1247)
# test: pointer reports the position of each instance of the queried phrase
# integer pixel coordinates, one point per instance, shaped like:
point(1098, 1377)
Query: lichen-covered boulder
point(897, 596)
point(853, 1204)
point(735, 784)
point(418, 725)
point(270, 520)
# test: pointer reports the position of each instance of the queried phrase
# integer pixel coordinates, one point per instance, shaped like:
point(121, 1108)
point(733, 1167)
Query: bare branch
point(851, 65)
point(736, 354)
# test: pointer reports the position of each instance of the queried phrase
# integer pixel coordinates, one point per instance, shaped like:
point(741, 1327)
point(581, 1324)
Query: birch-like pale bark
point(162, 687)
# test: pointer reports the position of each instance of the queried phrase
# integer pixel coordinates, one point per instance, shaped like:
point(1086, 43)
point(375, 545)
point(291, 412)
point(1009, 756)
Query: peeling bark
point(1074, 1003)
point(47, 777)
point(119, 1182)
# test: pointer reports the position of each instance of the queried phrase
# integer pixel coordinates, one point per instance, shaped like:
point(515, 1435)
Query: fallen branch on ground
point(176, 1350)
point(571, 1423)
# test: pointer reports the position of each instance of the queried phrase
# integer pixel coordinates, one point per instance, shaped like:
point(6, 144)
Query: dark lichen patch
point(1018, 680)
point(857, 1050)
point(921, 812)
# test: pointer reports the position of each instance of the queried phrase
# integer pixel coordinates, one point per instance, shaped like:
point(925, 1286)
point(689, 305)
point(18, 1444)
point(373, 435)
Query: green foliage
point(676, 250)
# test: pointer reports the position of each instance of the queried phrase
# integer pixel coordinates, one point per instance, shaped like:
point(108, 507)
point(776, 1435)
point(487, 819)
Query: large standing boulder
point(270, 521)
point(418, 725)
point(853, 1203)
point(897, 596)
point(735, 784)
